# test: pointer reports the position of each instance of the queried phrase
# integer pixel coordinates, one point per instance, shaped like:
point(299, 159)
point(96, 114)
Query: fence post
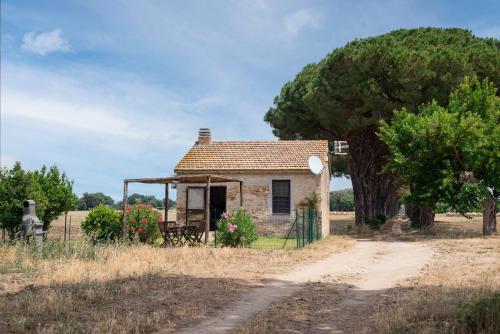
point(65, 222)
point(318, 214)
point(297, 227)
point(303, 228)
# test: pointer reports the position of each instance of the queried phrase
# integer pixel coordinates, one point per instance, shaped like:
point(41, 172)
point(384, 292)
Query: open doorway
point(217, 204)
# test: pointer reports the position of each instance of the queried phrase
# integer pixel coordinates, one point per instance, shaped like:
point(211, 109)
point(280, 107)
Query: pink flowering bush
point(236, 229)
point(143, 223)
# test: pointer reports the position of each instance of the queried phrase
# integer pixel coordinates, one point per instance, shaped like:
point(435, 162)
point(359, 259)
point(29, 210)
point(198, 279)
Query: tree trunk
point(420, 217)
point(374, 193)
point(489, 216)
point(426, 216)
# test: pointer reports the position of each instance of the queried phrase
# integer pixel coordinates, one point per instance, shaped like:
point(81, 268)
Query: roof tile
point(252, 155)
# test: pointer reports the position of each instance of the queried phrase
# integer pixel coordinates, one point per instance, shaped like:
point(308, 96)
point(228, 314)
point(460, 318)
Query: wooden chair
point(200, 231)
point(167, 229)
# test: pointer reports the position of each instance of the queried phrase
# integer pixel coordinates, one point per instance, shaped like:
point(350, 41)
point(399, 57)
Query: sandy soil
point(369, 267)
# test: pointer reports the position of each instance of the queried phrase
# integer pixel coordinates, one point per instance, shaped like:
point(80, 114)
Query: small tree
point(450, 154)
point(58, 191)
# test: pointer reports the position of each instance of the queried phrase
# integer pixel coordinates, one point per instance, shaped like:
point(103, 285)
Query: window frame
point(272, 197)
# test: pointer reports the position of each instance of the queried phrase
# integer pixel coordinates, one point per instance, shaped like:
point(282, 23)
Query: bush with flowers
point(143, 223)
point(236, 229)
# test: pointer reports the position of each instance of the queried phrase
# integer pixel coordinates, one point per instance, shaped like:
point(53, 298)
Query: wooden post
point(69, 232)
point(241, 193)
point(65, 222)
point(207, 210)
point(166, 204)
point(125, 205)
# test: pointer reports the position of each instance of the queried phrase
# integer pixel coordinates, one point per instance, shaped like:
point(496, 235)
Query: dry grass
point(133, 288)
point(461, 270)
point(308, 311)
point(464, 267)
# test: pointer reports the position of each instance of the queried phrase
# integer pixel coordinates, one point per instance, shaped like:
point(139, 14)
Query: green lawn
point(273, 243)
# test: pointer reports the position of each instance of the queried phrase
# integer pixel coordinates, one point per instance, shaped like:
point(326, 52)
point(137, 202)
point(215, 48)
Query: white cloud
point(300, 19)
point(102, 107)
point(45, 42)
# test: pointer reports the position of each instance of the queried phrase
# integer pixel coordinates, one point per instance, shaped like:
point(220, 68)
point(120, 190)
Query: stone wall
point(257, 198)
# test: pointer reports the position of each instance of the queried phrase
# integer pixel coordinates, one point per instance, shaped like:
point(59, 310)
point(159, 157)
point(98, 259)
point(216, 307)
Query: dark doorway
point(217, 204)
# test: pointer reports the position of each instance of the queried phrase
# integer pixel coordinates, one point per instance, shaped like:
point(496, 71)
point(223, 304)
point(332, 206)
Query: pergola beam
point(241, 194)
point(165, 218)
point(125, 205)
point(207, 210)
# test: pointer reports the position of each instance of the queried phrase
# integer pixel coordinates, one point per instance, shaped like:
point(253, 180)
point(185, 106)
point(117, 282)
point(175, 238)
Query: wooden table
point(179, 235)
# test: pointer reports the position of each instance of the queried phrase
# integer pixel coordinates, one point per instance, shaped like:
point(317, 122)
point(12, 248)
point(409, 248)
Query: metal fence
point(308, 227)
point(300, 228)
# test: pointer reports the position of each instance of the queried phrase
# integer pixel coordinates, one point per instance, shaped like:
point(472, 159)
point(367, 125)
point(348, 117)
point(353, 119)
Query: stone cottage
point(275, 174)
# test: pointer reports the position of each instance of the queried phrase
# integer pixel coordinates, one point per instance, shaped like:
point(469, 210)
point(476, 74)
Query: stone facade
point(257, 197)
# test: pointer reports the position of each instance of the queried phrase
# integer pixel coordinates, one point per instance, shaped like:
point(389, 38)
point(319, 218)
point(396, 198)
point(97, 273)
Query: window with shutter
point(281, 196)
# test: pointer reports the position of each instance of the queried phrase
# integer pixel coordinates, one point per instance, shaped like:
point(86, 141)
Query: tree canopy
point(147, 199)
point(345, 95)
point(342, 200)
point(89, 201)
point(450, 154)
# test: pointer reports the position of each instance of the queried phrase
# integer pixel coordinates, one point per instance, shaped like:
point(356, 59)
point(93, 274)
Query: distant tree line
point(91, 200)
point(342, 200)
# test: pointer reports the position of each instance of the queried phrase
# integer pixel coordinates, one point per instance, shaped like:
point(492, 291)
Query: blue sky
point(115, 89)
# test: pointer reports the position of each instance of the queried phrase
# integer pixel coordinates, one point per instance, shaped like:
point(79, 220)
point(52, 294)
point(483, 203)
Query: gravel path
point(376, 266)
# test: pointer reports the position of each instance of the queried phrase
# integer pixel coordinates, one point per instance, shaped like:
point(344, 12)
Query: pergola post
point(165, 218)
point(207, 210)
point(125, 205)
point(241, 194)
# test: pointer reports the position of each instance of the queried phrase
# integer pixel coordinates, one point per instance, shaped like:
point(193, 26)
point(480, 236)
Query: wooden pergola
point(192, 179)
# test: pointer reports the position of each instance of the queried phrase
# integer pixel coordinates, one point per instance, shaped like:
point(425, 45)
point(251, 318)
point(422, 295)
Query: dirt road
point(370, 266)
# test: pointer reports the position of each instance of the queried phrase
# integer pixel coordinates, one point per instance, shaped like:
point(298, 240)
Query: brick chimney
point(204, 137)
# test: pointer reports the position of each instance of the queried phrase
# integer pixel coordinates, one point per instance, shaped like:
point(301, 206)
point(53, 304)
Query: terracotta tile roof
point(252, 155)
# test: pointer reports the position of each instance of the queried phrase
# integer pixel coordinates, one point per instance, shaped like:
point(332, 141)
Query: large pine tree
point(345, 95)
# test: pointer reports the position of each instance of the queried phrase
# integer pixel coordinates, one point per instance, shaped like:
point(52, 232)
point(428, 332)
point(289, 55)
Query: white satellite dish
point(316, 165)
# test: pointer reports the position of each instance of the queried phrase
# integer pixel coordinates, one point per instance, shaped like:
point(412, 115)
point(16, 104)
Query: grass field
point(77, 287)
point(274, 243)
point(118, 288)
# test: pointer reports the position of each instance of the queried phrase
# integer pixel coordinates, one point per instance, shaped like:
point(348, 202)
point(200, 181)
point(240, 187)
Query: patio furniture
point(199, 230)
point(189, 235)
point(173, 235)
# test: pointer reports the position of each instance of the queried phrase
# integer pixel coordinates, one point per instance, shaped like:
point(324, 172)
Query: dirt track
point(370, 266)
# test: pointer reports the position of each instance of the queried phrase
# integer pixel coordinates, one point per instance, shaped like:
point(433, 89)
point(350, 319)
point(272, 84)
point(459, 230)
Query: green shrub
point(102, 224)
point(481, 315)
point(236, 229)
point(143, 223)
